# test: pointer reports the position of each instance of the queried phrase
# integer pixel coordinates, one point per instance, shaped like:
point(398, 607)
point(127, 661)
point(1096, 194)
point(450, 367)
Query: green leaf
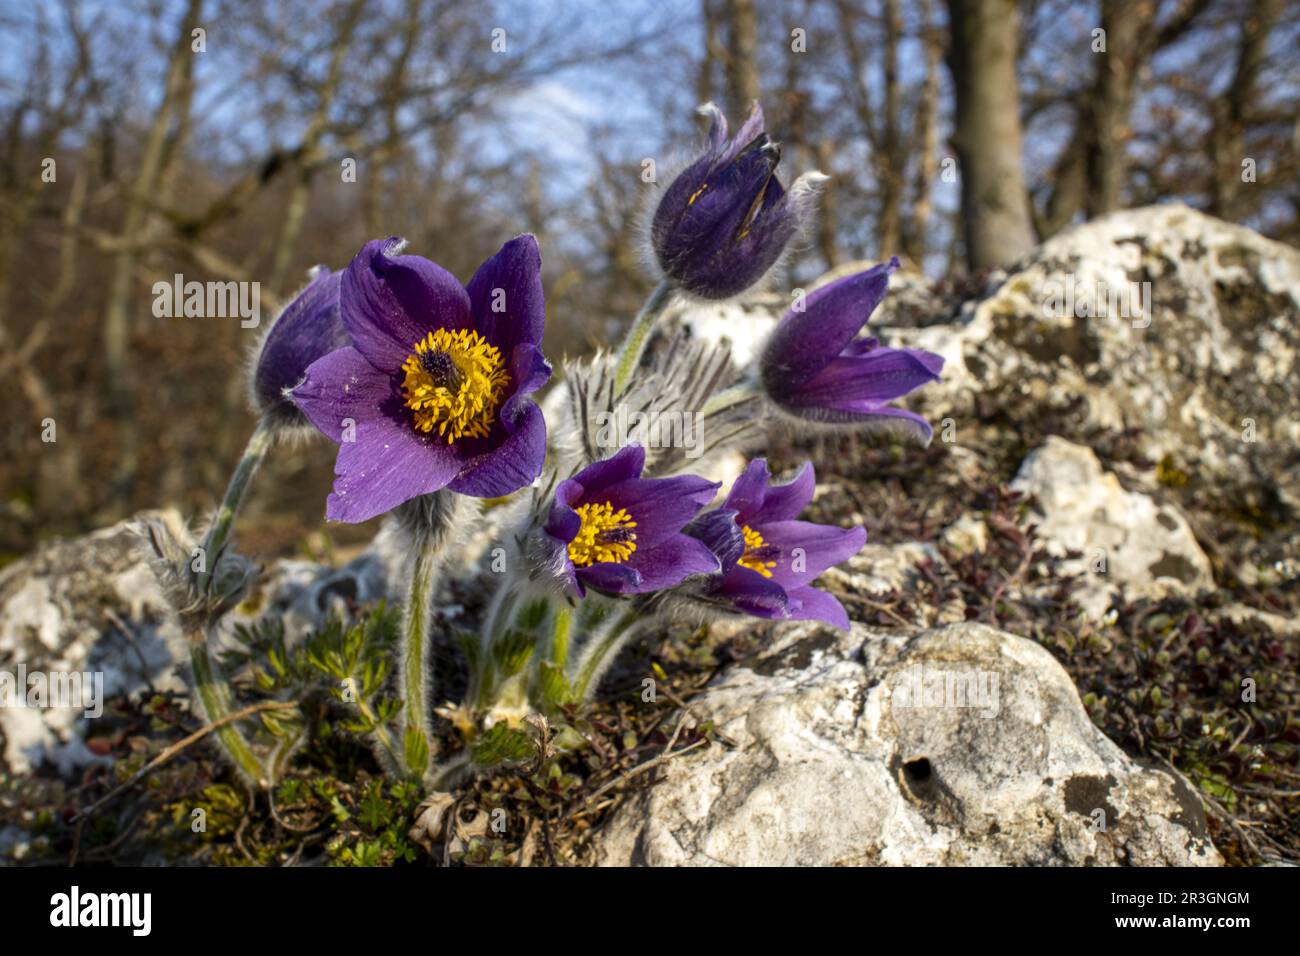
point(512, 651)
point(532, 614)
point(502, 744)
point(374, 809)
point(553, 686)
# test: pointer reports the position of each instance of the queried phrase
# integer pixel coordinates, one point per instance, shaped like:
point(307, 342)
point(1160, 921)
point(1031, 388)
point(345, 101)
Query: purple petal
point(386, 465)
point(881, 375)
point(390, 302)
point(785, 502)
point(612, 578)
point(721, 533)
point(755, 253)
point(563, 523)
point(509, 466)
point(805, 342)
point(717, 126)
point(756, 501)
point(732, 188)
point(863, 346)
point(748, 132)
point(748, 591)
point(343, 386)
point(511, 280)
point(624, 464)
point(528, 372)
point(810, 604)
point(674, 203)
point(671, 561)
point(660, 506)
point(814, 547)
point(747, 491)
point(308, 329)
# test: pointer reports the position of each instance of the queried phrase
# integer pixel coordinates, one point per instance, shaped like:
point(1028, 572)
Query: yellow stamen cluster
point(754, 541)
point(603, 537)
point(454, 380)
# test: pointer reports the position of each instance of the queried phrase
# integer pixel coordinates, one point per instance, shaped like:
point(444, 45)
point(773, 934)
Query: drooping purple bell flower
point(768, 558)
point(612, 530)
point(726, 219)
point(309, 327)
point(813, 367)
point(434, 391)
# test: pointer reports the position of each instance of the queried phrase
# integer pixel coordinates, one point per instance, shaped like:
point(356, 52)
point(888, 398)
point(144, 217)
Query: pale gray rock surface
point(81, 606)
point(960, 745)
point(1161, 318)
point(1161, 323)
point(881, 569)
point(1113, 538)
point(92, 605)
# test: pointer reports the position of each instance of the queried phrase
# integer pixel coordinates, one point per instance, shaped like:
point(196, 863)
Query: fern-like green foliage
point(502, 745)
point(348, 662)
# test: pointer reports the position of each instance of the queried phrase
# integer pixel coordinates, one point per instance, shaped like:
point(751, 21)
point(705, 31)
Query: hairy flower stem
point(600, 651)
point(430, 521)
point(210, 685)
point(215, 698)
point(415, 665)
point(214, 542)
point(629, 356)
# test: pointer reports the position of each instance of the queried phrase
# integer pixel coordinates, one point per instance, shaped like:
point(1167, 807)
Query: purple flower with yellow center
point(815, 368)
point(725, 220)
point(309, 327)
point(768, 558)
point(433, 393)
point(612, 530)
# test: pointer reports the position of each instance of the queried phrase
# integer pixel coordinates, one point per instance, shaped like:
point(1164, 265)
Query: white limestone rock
point(840, 760)
point(1122, 539)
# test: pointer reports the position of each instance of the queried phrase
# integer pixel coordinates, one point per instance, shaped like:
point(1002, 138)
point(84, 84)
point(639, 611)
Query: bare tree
point(742, 56)
point(925, 138)
point(307, 157)
point(1093, 168)
point(880, 126)
point(134, 221)
point(714, 51)
point(1125, 24)
point(994, 203)
point(1232, 112)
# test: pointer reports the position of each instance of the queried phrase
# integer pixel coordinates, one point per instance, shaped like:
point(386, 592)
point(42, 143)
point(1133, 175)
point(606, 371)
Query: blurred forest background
point(957, 134)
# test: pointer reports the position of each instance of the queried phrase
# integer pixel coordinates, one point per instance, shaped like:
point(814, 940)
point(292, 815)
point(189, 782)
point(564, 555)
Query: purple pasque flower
point(813, 367)
point(433, 393)
point(308, 328)
point(725, 220)
point(612, 530)
point(768, 558)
